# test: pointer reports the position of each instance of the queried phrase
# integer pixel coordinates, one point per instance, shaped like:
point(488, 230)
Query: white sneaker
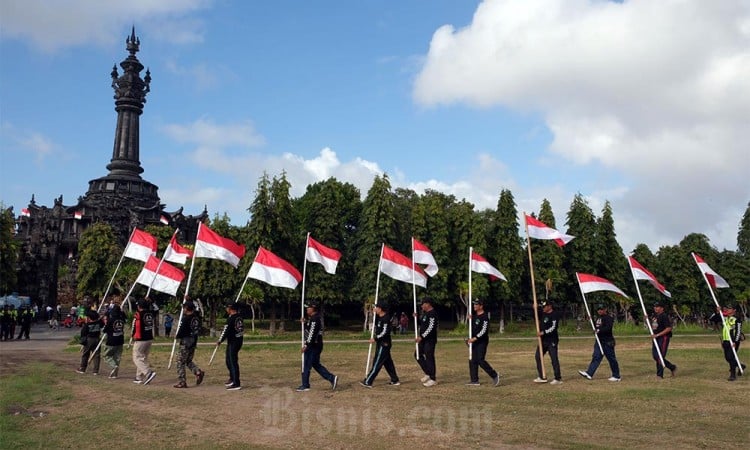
point(585, 374)
point(429, 383)
point(555, 382)
point(614, 379)
point(540, 380)
point(424, 379)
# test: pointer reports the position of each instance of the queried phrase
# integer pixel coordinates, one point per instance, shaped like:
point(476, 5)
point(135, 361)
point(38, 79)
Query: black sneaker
point(335, 382)
point(303, 389)
point(151, 375)
point(673, 370)
point(234, 387)
point(229, 382)
point(199, 378)
point(394, 383)
point(113, 373)
point(363, 384)
point(81, 371)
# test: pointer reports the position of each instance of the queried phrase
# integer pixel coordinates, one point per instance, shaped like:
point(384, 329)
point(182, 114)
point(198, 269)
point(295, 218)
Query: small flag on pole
point(592, 283)
point(398, 267)
point(176, 253)
point(480, 265)
point(273, 270)
point(538, 230)
point(640, 273)
point(208, 244)
point(167, 279)
point(25, 212)
point(714, 279)
point(163, 219)
point(78, 215)
point(422, 255)
point(141, 246)
point(319, 253)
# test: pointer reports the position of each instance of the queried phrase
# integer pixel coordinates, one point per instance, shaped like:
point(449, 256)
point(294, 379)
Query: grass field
point(45, 404)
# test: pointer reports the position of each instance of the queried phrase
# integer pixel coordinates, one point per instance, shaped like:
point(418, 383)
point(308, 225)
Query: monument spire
point(130, 96)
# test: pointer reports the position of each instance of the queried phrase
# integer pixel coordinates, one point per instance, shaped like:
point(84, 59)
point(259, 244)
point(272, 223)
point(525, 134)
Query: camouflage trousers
point(185, 359)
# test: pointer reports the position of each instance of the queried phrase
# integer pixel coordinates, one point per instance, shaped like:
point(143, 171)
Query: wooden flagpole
point(372, 329)
point(533, 293)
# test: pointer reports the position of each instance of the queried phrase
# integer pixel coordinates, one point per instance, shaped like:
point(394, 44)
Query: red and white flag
point(399, 267)
point(319, 253)
point(25, 212)
point(480, 265)
point(640, 273)
point(78, 215)
point(141, 246)
point(422, 255)
point(539, 230)
point(176, 253)
point(163, 219)
point(167, 279)
point(592, 283)
point(208, 244)
point(714, 279)
point(274, 270)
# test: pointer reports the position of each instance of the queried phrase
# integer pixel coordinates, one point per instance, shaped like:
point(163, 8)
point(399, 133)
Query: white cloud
point(656, 91)
point(205, 132)
point(28, 141)
point(50, 26)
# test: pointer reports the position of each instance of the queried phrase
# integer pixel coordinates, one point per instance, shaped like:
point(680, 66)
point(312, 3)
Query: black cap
point(311, 304)
point(601, 306)
point(427, 300)
point(189, 306)
point(544, 303)
point(660, 304)
point(142, 304)
point(478, 301)
point(234, 305)
point(382, 305)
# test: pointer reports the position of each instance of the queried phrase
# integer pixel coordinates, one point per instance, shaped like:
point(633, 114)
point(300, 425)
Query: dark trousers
point(609, 353)
point(729, 354)
point(551, 348)
point(91, 344)
point(25, 329)
point(382, 359)
point(233, 363)
point(478, 352)
point(312, 361)
point(663, 343)
point(426, 358)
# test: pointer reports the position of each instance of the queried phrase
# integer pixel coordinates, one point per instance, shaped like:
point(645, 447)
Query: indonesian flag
point(592, 283)
point(640, 273)
point(25, 212)
point(163, 219)
point(78, 215)
point(274, 270)
point(141, 246)
point(480, 265)
point(713, 278)
point(176, 253)
point(208, 244)
point(422, 255)
point(399, 267)
point(319, 253)
point(539, 230)
point(167, 280)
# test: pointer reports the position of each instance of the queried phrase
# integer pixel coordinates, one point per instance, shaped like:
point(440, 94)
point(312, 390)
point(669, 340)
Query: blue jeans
point(609, 353)
point(312, 361)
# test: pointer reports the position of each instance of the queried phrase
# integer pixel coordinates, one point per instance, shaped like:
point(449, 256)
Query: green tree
point(98, 255)
point(432, 226)
point(505, 245)
point(548, 260)
point(612, 265)
point(581, 254)
point(743, 235)
point(8, 251)
point(468, 230)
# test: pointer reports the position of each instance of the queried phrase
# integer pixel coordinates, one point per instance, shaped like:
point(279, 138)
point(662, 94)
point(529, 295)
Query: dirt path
point(43, 345)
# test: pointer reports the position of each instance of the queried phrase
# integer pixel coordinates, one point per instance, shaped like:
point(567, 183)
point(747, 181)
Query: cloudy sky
point(643, 103)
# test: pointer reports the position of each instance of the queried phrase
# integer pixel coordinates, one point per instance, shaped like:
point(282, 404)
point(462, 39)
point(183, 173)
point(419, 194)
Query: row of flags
point(159, 275)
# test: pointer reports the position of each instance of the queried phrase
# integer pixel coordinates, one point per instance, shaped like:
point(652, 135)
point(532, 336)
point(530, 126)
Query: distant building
point(49, 237)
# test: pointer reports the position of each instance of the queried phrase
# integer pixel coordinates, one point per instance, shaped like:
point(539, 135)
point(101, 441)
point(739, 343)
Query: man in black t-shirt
point(233, 333)
point(312, 348)
point(480, 338)
point(550, 322)
point(661, 325)
point(603, 325)
point(382, 339)
point(426, 342)
point(188, 333)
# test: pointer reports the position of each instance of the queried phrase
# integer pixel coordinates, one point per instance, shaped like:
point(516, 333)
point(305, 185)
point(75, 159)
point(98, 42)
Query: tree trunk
point(502, 317)
point(272, 322)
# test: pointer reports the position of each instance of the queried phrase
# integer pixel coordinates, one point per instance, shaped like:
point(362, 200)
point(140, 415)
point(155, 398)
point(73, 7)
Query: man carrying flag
point(731, 336)
point(662, 332)
point(603, 329)
point(479, 340)
point(382, 338)
point(312, 348)
point(188, 332)
point(550, 322)
point(233, 332)
point(426, 340)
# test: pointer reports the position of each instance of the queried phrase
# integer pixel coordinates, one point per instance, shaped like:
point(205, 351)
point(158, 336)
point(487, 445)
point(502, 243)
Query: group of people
point(112, 327)
point(10, 317)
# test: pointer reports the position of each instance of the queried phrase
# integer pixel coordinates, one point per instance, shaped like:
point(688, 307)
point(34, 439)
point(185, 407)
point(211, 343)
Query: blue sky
point(641, 103)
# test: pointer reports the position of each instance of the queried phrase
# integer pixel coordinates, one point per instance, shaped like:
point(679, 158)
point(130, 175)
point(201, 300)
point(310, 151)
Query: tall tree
point(8, 251)
point(98, 255)
point(505, 245)
point(432, 227)
point(468, 230)
point(581, 254)
point(548, 260)
point(377, 226)
point(612, 265)
point(743, 235)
